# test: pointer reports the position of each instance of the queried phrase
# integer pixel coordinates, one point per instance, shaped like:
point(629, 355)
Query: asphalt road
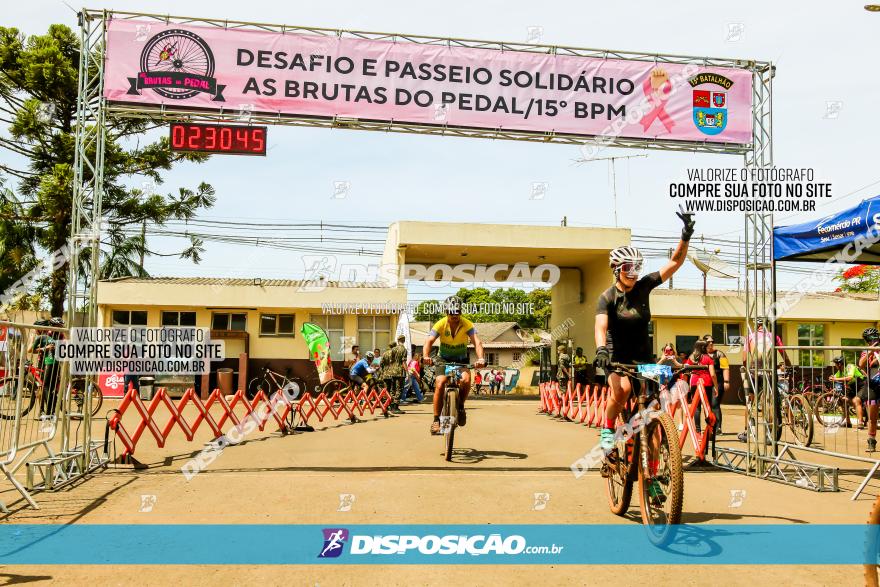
point(396, 473)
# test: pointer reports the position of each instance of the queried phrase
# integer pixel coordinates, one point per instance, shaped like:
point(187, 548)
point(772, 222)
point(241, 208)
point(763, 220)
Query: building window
point(374, 332)
point(811, 335)
point(851, 357)
point(491, 358)
point(517, 357)
point(228, 321)
point(333, 326)
point(727, 333)
point(129, 318)
point(178, 318)
point(276, 325)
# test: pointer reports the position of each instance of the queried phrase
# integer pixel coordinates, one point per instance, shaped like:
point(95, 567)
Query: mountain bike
point(651, 454)
point(449, 410)
point(834, 408)
point(796, 413)
point(270, 381)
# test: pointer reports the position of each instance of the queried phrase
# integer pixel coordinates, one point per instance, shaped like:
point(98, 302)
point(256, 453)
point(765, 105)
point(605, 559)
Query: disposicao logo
point(334, 540)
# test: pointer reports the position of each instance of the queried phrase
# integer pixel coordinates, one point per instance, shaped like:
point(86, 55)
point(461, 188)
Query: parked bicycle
point(792, 411)
point(33, 387)
point(651, 454)
point(834, 408)
point(269, 381)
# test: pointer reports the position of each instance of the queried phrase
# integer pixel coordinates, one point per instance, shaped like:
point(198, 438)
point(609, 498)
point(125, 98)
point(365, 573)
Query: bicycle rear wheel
point(8, 393)
point(257, 384)
point(800, 419)
point(333, 386)
point(661, 505)
point(829, 409)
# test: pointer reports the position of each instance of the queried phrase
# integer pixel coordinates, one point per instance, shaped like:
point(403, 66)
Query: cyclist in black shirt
point(623, 316)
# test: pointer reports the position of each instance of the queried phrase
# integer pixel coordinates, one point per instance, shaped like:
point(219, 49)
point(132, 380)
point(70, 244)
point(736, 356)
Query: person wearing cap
point(846, 379)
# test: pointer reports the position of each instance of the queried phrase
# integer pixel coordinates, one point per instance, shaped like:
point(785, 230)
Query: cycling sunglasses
point(631, 269)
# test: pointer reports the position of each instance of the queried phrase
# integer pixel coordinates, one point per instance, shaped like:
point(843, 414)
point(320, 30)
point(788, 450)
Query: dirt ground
point(394, 469)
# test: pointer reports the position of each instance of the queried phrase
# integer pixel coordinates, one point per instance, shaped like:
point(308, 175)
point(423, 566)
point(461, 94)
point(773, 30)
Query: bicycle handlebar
point(631, 369)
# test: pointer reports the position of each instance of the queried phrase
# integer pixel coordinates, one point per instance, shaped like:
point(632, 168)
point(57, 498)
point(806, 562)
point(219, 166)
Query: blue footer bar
point(248, 544)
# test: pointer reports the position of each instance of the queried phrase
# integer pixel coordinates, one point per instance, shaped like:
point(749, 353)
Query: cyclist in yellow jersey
point(454, 332)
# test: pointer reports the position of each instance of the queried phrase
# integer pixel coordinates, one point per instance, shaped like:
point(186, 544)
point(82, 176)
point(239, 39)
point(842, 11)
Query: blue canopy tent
point(821, 240)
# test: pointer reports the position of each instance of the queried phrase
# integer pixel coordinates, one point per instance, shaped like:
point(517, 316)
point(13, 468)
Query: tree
point(38, 93)
point(529, 310)
point(859, 279)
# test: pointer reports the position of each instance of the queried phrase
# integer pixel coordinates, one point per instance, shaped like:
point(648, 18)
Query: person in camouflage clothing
point(387, 374)
point(397, 369)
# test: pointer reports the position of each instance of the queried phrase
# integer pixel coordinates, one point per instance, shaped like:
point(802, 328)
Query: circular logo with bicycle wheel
point(177, 64)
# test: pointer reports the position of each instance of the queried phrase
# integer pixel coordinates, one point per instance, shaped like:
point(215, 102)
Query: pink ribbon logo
point(658, 101)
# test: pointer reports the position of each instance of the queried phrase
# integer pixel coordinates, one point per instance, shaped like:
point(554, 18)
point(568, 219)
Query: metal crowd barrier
point(815, 416)
point(31, 398)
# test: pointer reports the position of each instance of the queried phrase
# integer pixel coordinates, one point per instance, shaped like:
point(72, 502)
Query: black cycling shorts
point(356, 379)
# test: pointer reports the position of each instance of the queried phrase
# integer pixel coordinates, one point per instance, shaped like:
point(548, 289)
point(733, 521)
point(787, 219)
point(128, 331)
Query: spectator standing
point(478, 382)
point(377, 358)
point(563, 368)
point(722, 372)
point(44, 347)
point(412, 384)
point(398, 367)
point(499, 380)
point(387, 374)
point(580, 366)
point(869, 362)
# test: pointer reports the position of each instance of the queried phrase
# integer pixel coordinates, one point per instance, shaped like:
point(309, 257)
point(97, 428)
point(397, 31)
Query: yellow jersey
point(453, 347)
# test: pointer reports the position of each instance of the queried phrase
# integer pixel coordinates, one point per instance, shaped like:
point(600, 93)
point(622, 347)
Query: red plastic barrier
point(348, 403)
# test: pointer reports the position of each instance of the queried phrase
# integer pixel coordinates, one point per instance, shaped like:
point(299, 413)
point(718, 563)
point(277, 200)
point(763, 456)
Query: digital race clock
point(218, 138)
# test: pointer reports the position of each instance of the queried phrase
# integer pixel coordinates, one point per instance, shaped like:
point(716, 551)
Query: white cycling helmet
point(629, 259)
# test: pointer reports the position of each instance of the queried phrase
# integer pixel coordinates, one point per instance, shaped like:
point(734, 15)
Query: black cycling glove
point(603, 358)
point(688, 219)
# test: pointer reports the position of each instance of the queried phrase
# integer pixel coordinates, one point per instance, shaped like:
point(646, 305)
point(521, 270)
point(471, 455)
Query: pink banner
point(310, 75)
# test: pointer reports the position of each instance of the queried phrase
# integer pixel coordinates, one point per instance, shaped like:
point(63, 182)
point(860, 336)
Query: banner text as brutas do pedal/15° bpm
point(328, 76)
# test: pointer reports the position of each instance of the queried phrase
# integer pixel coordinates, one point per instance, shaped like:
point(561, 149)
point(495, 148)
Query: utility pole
point(613, 176)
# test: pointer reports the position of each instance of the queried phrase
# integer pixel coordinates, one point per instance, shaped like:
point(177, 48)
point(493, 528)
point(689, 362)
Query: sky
point(824, 52)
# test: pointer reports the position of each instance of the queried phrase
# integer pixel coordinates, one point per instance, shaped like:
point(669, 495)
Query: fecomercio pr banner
point(293, 74)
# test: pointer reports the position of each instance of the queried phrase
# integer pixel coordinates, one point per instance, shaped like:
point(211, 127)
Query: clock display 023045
point(218, 138)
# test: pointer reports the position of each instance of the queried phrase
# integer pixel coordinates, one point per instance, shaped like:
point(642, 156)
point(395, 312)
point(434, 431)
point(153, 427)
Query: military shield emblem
point(710, 106)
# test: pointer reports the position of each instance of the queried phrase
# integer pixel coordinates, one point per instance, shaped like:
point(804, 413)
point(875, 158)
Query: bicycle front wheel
point(450, 410)
point(8, 395)
point(661, 491)
point(619, 483)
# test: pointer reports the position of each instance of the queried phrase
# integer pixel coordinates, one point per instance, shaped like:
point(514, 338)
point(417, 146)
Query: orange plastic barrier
point(587, 406)
point(347, 402)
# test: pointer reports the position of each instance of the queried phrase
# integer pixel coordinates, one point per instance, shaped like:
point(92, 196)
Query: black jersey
point(629, 315)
